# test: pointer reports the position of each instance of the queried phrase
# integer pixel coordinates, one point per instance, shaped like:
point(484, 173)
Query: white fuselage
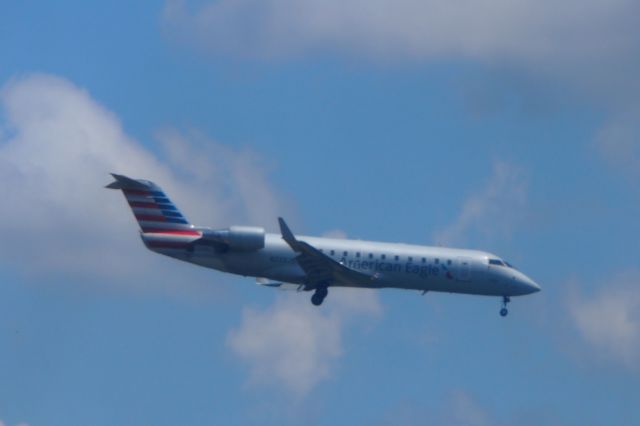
point(390, 265)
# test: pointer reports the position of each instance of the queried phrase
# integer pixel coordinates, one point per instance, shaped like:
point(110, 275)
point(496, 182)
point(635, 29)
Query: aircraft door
point(463, 270)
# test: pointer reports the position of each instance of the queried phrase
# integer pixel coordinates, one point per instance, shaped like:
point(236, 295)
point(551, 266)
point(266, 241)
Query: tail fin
point(151, 207)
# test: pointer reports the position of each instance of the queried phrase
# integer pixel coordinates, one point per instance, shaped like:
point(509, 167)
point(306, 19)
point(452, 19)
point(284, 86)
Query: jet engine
point(237, 238)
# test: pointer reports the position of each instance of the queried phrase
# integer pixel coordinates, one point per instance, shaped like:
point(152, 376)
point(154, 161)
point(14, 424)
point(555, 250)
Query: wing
point(321, 270)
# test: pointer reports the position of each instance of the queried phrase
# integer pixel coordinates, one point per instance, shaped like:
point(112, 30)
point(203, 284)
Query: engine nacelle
point(239, 238)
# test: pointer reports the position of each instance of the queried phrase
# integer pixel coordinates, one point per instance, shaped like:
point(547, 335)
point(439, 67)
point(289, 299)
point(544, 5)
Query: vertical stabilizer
point(153, 210)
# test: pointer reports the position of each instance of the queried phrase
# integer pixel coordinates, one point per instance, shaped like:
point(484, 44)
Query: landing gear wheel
point(504, 311)
point(319, 295)
point(316, 299)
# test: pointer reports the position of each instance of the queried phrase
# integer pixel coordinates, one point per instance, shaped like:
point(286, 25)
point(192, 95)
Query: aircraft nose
point(529, 286)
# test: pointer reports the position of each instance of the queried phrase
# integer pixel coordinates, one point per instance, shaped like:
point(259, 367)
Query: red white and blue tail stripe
point(153, 210)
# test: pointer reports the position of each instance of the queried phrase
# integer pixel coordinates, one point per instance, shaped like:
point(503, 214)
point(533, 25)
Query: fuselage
point(390, 265)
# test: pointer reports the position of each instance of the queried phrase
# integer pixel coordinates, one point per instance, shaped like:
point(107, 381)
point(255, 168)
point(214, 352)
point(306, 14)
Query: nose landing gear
point(504, 311)
point(319, 295)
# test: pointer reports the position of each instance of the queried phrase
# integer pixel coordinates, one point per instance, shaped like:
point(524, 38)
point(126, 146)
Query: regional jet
point(315, 264)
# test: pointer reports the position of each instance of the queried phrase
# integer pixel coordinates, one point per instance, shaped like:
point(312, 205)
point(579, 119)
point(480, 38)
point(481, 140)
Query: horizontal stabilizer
point(266, 282)
point(123, 182)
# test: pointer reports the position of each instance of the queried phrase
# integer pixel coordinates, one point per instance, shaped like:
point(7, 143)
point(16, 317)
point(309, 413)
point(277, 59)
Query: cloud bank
point(525, 29)
point(586, 41)
point(57, 146)
point(584, 50)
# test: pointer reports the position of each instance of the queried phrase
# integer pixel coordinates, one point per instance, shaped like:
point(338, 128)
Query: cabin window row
point(384, 257)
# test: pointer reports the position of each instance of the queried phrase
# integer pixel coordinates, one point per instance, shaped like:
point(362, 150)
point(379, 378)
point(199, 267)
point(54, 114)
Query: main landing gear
point(319, 295)
point(504, 311)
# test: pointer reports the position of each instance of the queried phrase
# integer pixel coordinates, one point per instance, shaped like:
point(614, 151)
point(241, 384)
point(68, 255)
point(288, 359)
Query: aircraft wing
point(321, 270)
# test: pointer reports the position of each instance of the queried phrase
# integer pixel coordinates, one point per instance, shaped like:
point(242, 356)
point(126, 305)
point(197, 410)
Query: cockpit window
point(499, 262)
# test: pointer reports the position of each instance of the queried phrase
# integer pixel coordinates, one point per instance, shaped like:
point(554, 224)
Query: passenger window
point(383, 257)
point(370, 255)
point(397, 258)
point(358, 254)
point(437, 261)
point(410, 259)
point(424, 260)
point(345, 254)
point(333, 252)
point(449, 262)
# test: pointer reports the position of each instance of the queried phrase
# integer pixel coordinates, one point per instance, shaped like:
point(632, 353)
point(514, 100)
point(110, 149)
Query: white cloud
point(56, 150)
point(289, 343)
point(485, 28)
point(492, 210)
point(591, 48)
point(295, 344)
point(609, 321)
point(541, 35)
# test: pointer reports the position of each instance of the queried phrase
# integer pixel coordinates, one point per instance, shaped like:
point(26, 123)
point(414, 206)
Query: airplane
point(315, 264)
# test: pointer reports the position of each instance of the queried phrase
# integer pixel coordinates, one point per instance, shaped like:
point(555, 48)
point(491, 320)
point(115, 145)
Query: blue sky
point(510, 128)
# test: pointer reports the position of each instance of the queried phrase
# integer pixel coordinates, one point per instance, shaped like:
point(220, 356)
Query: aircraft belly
point(209, 261)
point(261, 264)
point(447, 284)
point(290, 273)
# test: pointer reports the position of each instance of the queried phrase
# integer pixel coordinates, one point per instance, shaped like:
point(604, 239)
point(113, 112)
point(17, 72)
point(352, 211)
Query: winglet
point(287, 235)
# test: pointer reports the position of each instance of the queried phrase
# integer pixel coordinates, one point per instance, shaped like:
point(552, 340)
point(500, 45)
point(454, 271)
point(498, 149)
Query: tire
point(317, 299)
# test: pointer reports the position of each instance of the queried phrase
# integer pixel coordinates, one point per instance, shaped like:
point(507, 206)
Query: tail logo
point(153, 210)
